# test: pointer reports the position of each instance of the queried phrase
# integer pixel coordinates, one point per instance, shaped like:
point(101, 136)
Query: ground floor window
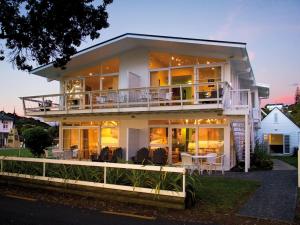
point(87, 138)
point(189, 136)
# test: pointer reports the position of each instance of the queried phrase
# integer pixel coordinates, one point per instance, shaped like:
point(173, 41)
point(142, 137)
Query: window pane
point(209, 60)
point(183, 60)
point(210, 74)
point(158, 136)
point(211, 140)
point(109, 137)
point(110, 82)
point(110, 66)
point(159, 60)
point(92, 83)
point(159, 78)
point(70, 139)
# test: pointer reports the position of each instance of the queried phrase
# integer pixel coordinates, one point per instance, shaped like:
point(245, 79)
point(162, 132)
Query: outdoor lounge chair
point(104, 155)
point(159, 157)
point(142, 156)
point(117, 154)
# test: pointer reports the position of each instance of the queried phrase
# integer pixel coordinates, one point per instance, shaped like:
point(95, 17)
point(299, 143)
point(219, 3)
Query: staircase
point(238, 129)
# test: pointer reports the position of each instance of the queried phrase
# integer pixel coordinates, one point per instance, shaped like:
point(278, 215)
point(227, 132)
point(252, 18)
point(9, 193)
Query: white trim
point(97, 164)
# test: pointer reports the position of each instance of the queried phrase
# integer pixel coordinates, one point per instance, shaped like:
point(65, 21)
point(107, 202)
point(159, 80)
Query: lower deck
point(197, 134)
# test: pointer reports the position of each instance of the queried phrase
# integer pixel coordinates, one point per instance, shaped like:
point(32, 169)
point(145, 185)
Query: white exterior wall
point(6, 130)
point(135, 61)
point(284, 126)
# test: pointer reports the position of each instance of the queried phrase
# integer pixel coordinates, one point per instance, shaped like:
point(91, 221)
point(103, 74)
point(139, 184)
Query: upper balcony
point(192, 97)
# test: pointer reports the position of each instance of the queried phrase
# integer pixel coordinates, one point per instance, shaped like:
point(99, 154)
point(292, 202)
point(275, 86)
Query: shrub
point(260, 159)
point(37, 139)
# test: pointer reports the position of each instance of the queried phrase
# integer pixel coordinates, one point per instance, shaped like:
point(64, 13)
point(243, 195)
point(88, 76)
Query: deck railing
point(200, 94)
point(40, 169)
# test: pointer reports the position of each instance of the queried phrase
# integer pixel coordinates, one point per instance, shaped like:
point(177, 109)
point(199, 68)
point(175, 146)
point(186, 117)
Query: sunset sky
point(271, 29)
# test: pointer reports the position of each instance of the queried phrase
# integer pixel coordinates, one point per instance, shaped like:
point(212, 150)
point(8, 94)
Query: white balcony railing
point(175, 97)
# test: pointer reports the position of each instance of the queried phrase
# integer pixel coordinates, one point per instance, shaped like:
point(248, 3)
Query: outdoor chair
point(187, 162)
point(117, 154)
point(159, 157)
point(212, 163)
point(104, 155)
point(94, 158)
point(142, 156)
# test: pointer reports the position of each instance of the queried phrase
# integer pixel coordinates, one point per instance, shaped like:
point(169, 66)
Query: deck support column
point(247, 143)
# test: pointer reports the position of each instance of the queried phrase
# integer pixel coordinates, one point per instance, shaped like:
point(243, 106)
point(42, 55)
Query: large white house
point(6, 124)
point(136, 90)
point(279, 133)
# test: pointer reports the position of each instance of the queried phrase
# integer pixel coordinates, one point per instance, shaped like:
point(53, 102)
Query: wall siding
point(283, 126)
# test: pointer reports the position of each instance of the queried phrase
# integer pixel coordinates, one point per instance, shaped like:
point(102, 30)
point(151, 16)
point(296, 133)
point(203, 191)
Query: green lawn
point(220, 194)
point(292, 160)
point(15, 152)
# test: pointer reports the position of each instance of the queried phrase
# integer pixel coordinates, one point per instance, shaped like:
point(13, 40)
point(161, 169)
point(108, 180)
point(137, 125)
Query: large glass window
point(109, 82)
point(182, 76)
point(183, 140)
point(158, 136)
point(109, 137)
point(159, 60)
point(70, 139)
point(209, 75)
point(164, 60)
point(211, 140)
point(159, 78)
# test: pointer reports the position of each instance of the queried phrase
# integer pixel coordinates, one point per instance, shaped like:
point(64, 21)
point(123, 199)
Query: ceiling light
point(213, 68)
point(172, 58)
point(207, 62)
point(90, 74)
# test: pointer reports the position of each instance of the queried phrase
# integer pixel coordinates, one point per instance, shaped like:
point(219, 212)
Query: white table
point(199, 158)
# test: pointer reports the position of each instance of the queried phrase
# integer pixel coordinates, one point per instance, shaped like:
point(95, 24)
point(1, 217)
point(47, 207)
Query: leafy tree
point(37, 139)
point(53, 132)
point(48, 30)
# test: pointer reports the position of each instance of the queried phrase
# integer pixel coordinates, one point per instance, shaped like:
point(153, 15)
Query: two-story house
point(6, 124)
point(137, 90)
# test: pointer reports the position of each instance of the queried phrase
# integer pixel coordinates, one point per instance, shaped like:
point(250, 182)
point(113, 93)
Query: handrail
point(128, 89)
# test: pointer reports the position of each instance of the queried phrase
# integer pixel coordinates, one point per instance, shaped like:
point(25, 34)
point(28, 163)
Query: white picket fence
point(103, 165)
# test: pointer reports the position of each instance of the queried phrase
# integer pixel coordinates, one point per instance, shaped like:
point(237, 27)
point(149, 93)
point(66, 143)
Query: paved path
point(15, 211)
point(277, 195)
point(280, 165)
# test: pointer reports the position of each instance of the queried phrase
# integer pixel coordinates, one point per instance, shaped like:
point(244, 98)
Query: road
point(17, 210)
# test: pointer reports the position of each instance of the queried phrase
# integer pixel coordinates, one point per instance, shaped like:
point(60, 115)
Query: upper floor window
point(5, 125)
point(164, 60)
point(110, 66)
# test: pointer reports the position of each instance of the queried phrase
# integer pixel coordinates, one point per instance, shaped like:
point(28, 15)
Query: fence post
point(183, 183)
point(104, 175)
point(218, 94)
point(1, 165)
point(181, 103)
point(44, 169)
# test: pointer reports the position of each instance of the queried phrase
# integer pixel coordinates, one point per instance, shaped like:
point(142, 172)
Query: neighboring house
point(6, 124)
point(133, 91)
point(279, 133)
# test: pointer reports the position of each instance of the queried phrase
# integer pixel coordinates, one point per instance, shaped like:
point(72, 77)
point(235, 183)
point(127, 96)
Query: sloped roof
point(286, 114)
point(5, 117)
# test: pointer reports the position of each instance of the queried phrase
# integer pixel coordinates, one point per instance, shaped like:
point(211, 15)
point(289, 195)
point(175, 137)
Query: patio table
point(199, 161)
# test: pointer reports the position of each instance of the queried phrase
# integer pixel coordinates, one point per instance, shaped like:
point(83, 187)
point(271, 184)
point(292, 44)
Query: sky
point(271, 29)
